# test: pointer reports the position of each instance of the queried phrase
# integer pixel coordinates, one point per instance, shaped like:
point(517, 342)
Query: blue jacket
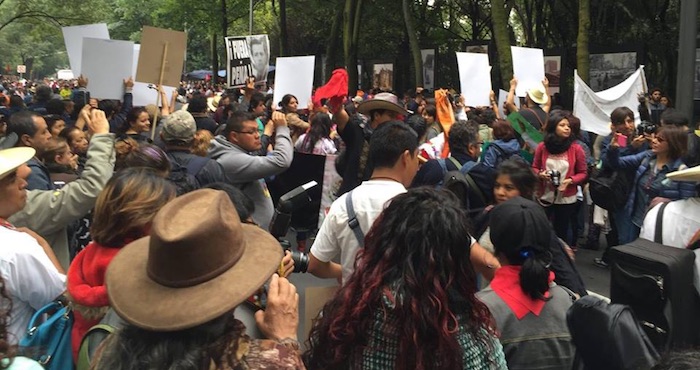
point(491, 157)
point(660, 187)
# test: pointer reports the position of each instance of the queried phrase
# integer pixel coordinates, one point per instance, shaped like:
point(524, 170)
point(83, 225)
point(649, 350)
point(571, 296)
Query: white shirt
point(335, 236)
point(31, 280)
point(681, 220)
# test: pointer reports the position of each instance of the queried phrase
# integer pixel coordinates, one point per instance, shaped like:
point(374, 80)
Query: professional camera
point(555, 176)
point(279, 226)
point(646, 127)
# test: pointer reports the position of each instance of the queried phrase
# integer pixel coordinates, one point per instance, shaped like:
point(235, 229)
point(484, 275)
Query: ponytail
point(534, 274)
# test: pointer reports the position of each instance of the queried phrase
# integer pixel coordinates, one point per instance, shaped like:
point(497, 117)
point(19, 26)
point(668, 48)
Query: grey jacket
point(534, 342)
point(248, 172)
point(48, 212)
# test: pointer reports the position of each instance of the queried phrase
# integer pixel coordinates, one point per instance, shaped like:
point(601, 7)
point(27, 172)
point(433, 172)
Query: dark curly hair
point(7, 350)
point(423, 261)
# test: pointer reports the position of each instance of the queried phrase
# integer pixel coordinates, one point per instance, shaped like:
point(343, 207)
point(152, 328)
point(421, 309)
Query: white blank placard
point(294, 75)
point(528, 68)
point(502, 97)
point(106, 64)
point(474, 78)
point(73, 37)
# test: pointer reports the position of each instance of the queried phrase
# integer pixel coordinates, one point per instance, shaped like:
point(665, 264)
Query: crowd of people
point(160, 216)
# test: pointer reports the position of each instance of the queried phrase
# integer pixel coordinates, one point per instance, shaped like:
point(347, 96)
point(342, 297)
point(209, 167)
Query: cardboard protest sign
point(107, 63)
point(294, 75)
point(475, 78)
point(528, 68)
point(247, 56)
point(153, 43)
point(142, 94)
point(73, 37)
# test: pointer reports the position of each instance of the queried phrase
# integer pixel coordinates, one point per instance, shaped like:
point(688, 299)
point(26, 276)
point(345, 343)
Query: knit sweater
point(88, 290)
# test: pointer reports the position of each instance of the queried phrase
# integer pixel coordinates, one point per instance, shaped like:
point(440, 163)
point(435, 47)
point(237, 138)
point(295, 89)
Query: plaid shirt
point(383, 343)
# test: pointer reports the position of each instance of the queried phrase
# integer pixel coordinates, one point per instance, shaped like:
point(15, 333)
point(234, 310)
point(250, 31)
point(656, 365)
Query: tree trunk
point(284, 38)
point(214, 57)
point(224, 32)
point(351, 30)
point(332, 44)
point(584, 25)
point(413, 42)
point(501, 36)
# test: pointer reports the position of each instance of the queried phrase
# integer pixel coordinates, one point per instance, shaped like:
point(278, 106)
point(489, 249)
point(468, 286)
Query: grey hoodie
point(248, 172)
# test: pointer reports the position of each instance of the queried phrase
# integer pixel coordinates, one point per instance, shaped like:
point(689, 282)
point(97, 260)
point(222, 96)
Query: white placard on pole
point(106, 64)
point(73, 37)
point(528, 68)
point(294, 75)
point(474, 78)
point(143, 95)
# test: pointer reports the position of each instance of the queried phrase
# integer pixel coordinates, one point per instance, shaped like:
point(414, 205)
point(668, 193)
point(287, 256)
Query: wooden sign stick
point(160, 86)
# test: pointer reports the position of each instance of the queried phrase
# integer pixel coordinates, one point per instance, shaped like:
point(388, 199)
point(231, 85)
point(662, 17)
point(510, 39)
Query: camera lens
point(301, 261)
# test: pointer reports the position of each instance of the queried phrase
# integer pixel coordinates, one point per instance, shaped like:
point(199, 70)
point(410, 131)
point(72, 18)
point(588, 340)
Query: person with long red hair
point(410, 303)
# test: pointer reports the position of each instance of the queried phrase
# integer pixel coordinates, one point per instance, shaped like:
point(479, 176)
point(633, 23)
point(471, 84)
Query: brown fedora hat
point(386, 101)
point(198, 263)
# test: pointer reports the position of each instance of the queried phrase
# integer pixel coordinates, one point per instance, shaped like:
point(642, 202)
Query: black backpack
point(183, 177)
point(608, 336)
point(461, 184)
point(609, 188)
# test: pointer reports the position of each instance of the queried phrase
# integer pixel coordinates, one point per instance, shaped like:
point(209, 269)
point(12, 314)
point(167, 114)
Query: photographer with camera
point(560, 164)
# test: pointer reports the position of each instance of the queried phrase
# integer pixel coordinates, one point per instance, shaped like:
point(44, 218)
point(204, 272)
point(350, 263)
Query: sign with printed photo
point(247, 56)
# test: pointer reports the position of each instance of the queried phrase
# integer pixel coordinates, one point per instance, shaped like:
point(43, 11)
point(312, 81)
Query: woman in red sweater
point(123, 213)
point(560, 164)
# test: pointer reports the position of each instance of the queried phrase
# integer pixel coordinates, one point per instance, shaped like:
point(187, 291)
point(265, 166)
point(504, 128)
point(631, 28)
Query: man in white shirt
point(393, 152)
point(31, 274)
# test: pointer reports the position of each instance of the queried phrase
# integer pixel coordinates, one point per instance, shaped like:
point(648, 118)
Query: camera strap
point(353, 223)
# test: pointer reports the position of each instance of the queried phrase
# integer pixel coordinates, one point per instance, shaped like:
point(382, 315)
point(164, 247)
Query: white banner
point(594, 108)
point(528, 68)
point(474, 78)
point(73, 37)
point(294, 75)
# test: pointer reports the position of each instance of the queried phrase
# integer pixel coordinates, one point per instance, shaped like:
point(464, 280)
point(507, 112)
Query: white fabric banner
point(594, 108)
point(474, 78)
point(294, 75)
point(528, 68)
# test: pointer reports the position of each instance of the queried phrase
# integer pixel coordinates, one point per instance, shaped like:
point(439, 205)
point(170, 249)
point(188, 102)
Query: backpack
point(461, 183)
point(502, 155)
point(93, 339)
point(608, 336)
point(183, 177)
point(609, 188)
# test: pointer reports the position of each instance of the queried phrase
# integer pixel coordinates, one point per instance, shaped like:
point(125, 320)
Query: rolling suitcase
point(656, 281)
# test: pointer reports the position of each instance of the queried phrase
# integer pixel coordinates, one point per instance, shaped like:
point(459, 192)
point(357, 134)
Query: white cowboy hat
point(538, 94)
point(387, 101)
point(688, 174)
point(12, 158)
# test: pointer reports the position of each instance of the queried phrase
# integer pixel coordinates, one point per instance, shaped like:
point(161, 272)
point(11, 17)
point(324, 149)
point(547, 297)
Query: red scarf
point(506, 284)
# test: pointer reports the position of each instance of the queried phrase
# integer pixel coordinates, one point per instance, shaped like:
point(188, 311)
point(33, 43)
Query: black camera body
point(555, 176)
point(646, 127)
point(279, 226)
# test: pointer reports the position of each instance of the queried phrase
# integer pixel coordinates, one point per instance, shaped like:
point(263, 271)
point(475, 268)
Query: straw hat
point(198, 263)
point(11, 159)
point(538, 94)
point(386, 101)
point(688, 174)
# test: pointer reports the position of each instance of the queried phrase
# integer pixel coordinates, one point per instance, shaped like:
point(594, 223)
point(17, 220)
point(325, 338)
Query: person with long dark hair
point(412, 293)
point(137, 123)
point(317, 140)
point(560, 164)
point(289, 106)
point(529, 308)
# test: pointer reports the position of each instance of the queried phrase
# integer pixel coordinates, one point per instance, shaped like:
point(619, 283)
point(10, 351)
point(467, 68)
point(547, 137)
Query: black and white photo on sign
point(428, 56)
point(383, 77)
point(608, 70)
point(260, 57)
point(552, 70)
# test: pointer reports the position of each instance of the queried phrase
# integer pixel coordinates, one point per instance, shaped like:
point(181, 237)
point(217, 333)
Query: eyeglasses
point(251, 132)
